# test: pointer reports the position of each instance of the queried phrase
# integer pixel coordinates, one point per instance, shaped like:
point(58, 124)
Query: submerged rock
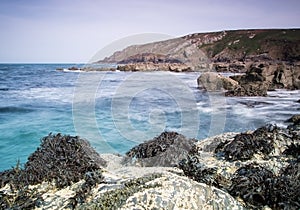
point(165, 150)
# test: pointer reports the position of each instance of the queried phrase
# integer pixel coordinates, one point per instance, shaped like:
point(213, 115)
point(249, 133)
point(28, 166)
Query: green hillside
point(278, 44)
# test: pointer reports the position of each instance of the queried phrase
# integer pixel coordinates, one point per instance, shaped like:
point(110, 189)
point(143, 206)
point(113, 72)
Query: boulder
point(253, 83)
point(250, 89)
point(212, 81)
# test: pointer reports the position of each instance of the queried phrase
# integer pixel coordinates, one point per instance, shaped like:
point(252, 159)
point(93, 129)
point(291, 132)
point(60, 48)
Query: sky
point(73, 31)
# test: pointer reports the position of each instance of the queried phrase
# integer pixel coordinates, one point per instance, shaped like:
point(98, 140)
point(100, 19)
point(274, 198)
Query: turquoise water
point(117, 110)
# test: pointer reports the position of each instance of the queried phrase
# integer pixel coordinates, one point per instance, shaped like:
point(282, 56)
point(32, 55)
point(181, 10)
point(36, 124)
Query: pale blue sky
point(74, 30)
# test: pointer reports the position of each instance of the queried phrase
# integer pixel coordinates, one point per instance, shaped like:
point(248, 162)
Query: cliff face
point(226, 50)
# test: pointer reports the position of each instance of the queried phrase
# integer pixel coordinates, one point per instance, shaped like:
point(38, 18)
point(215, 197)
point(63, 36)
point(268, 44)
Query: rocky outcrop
point(150, 58)
point(212, 81)
point(260, 167)
point(262, 77)
point(152, 62)
point(149, 66)
point(118, 187)
point(61, 161)
point(167, 149)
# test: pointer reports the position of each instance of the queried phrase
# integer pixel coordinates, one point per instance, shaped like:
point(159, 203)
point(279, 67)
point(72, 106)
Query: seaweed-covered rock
point(63, 159)
point(59, 161)
point(258, 186)
point(245, 145)
point(165, 150)
point(259, 167)
point(287, 185)
point(293, 150)
point(254, 184)
point(295, 120)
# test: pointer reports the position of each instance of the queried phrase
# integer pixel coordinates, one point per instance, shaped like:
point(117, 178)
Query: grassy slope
point(283, 44)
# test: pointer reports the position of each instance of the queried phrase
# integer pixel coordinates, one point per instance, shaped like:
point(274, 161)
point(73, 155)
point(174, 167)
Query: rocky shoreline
point(269, 58)
point(252, 170)
point(259, 78)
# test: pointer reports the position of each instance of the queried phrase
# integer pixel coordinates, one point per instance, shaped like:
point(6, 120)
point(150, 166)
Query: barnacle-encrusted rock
point(165, 150)
point(177, 192)
point(258, 167)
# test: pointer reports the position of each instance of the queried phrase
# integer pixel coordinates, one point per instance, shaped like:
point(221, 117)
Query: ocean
point(117, 110)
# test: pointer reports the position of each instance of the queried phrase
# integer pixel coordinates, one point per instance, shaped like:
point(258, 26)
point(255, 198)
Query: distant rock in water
point(264, 76)
point(212, 81)
point(165, 150)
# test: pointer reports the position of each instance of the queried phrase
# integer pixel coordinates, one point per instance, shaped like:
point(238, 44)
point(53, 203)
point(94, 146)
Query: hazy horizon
point(74, 31)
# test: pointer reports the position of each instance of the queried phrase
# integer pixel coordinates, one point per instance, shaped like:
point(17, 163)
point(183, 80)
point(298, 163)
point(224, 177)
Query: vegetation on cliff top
point(278, 44)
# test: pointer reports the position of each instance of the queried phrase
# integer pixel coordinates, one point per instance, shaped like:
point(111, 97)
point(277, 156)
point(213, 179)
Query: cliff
point(223, 51)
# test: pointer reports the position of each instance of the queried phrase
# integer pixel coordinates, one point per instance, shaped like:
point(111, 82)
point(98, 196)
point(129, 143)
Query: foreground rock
point(116, 186)
point(257, 169)
point(260, 167)
point(59, 161)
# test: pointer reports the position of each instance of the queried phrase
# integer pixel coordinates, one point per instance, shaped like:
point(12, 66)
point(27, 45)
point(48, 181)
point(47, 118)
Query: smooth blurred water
point(117, 110)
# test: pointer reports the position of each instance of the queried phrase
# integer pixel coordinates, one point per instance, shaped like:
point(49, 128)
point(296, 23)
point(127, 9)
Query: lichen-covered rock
point(165, 150)
point(177, 192)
